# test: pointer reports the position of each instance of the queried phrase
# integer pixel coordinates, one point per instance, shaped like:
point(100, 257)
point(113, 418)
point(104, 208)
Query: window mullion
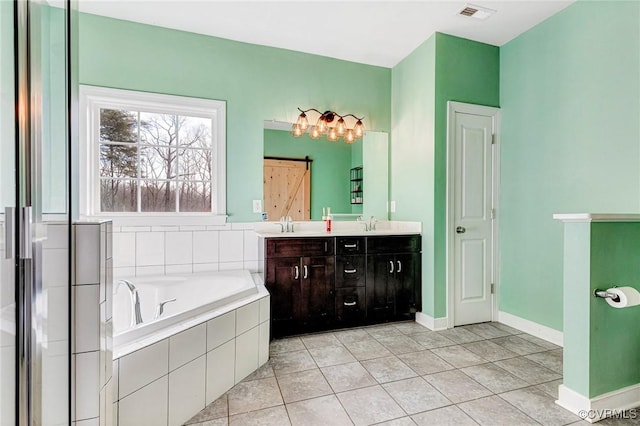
point(139, 171)
point(177, 206)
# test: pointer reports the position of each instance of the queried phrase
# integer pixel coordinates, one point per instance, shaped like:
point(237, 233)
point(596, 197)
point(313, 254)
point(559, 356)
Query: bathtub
point(194, 294)
point(214, 335)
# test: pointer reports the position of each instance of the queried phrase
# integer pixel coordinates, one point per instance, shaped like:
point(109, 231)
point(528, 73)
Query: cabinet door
point(350, 271)
point(380, 288)
point(283, 280)
point(408, 292)
point(317, 289)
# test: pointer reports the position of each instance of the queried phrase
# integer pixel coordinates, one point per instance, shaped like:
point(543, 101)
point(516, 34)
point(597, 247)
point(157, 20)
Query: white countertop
point(339, 228)
point(597, 217)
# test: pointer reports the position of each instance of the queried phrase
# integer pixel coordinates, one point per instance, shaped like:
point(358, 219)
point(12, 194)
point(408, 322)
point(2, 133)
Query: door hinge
point(493, 138)
point(492, 288)
point(493, 214)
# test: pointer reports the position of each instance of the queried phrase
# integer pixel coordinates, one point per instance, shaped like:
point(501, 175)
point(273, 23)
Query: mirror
point(302, 176)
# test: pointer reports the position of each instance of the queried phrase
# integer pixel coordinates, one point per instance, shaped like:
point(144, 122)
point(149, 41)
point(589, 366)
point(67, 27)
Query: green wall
point(466, 71)
point(329, 170)
point(570, 142)
point(444, 68)
point(257, 82)
point(412, 151)
point(602, 344)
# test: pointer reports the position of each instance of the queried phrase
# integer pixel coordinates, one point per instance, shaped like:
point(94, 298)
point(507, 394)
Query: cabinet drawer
point(394, 244)
point(350, 245)
point(350, 271)
point(291, 247)
point(350, 305)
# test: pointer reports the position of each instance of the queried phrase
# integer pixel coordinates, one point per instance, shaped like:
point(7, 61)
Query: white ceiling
point(371, 32)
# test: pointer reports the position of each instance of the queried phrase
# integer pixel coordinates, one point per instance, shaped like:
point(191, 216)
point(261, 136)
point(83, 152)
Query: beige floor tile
point(446, 416)
point(254, 395)
point(415, 395)
point(388, 369)
point(274, 416)
point(323, 411)
point(370, 405)
point(303, 385)
point(346, 377)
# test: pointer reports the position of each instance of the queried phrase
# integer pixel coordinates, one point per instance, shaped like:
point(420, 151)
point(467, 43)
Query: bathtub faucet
point(160, 308)
point(136, 316)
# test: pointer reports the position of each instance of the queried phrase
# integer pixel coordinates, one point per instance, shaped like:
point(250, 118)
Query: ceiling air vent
point(477, 12)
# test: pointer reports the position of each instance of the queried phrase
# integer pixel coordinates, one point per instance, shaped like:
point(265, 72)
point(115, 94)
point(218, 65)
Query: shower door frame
point(28, 223)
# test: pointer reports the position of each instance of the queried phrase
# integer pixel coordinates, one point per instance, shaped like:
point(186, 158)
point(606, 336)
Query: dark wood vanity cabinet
point(300, 275)
point(351, 273)
point(393, 277)
point(325, 282)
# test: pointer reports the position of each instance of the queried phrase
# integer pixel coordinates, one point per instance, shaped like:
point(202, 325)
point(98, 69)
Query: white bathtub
point(212, 337)
point(195, 294)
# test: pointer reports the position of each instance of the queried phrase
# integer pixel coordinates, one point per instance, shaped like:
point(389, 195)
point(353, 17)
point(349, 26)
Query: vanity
point(322, 281)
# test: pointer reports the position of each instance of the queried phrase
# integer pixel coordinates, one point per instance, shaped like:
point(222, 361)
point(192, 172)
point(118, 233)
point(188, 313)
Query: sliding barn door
point(287, 189)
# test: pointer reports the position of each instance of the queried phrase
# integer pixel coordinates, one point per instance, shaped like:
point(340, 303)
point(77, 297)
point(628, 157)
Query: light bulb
point(303, 122)
point(332, 134)
point(296, 131)
point(349, 137)
point(314, 133)
point(358, 130)
point(340, 127)
point(321, 125)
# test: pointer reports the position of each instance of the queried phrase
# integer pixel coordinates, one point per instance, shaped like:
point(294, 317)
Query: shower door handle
point(9, 231)
point(25, 221)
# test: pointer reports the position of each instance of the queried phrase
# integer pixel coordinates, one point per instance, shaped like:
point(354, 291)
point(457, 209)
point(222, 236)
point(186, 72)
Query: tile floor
point(402, 374)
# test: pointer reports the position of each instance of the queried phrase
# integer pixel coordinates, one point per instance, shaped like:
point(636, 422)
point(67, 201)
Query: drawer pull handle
point(350, 245)
point(306, 272)
point(297, 269)
point(391, 263)
point(399, 266)
point(350, 271)
point(350, 303)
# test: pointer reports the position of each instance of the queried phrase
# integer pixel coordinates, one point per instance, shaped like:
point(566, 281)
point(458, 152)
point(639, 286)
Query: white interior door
point(472, 218)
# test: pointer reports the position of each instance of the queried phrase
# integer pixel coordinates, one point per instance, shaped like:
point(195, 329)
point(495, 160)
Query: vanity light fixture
point(328, 125)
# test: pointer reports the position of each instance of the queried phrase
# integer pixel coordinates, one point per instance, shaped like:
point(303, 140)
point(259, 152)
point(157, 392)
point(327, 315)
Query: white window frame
point(93, 98)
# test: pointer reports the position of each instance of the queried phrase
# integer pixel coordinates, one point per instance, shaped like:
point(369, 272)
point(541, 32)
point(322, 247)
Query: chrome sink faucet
point(368, 225)
point(136, 315)
point(286, 224)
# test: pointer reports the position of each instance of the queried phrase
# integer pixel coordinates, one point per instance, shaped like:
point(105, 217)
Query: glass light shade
point(303, 122)
point(321, 125)
point(358, 130)
point(296, 131)
point(332, 134)
point(314, 133)
point(340, 127)
point(349, 137)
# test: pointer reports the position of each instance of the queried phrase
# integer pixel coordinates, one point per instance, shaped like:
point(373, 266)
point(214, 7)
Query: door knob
point(461, 230)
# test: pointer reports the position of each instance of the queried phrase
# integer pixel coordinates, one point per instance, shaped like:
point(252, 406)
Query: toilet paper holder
point(606, 295)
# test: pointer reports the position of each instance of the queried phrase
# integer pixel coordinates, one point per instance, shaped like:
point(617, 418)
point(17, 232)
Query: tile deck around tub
point(401, 374)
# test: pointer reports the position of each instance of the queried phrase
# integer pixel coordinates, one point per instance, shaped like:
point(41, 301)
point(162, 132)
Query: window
point(152, 154)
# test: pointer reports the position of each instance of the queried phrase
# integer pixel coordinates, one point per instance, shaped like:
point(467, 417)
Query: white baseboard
point(434, 324)
point(530, 327)
point(610, 404)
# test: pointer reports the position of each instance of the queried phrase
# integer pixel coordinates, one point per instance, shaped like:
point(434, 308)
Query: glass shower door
point(7, 200)
point(35, 261)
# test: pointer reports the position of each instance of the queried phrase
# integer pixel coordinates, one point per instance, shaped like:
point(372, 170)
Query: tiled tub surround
point(92, 343)
point(159, 250)
point(170, 375)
